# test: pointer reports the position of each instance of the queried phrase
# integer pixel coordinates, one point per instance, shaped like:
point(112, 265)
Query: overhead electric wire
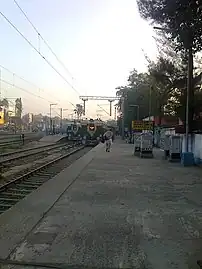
point(103, 109)
point(25, 90)
point(14, 85)
point(31, 83)
point(17, 30)
point(23, 79)
point(46, 43)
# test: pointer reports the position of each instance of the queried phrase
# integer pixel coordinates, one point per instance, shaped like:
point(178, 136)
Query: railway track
point(6, 142)
point(19, 154)
point(13, 142)
point(14, 190)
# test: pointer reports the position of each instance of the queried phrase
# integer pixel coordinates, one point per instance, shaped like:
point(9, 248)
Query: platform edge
point(20, 220)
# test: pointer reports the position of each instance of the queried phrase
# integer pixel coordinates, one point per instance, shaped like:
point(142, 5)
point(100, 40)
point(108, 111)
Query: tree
point(4, 102)
point(18, 107)
point(162, 75)
point(134, 93)
point(135, 96)
point(157, 87)
point(164, 85)
point(78, 110)
point(183, 19)
point(177, 103)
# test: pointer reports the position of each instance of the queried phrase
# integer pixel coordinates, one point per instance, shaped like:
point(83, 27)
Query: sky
point(99, 42)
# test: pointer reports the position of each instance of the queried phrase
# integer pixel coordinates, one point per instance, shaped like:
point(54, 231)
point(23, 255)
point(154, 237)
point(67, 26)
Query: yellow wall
point(2, 120)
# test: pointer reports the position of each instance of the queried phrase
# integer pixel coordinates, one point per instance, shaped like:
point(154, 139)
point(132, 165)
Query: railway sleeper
point(32, 181)
point(23, 185)
point(2, 211)
point(36, 175)
point(6, 199)
point(9, 193)
point(39, 182)
point(5, 206)
point(46, 174)
point(27, 186)
point(44, 179)
point(20, 190)
point(30, 184)
point(38, 179)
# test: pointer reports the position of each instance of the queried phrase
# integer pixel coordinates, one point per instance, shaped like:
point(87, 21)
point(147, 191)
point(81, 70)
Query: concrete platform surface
point(110, 210)
point(52, 138)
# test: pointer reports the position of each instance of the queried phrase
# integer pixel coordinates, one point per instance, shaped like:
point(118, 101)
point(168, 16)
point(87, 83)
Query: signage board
point(140, 126)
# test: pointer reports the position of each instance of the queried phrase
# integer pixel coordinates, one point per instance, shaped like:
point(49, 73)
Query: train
point(89, 131)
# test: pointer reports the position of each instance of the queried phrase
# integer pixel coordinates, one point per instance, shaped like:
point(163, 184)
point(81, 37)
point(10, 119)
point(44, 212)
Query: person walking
point(108, 135)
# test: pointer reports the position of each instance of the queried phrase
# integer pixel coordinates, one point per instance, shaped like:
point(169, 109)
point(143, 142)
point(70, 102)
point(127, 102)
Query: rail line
point(15, 155)
point(16, 189)
point(19, 141)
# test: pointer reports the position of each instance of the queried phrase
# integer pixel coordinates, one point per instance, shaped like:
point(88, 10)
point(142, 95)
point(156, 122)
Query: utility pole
point(50, 120)
point(110, 107)
point(115, 113)
point(187, 157)
point(123, 117)
point(61, 117)
point(150, 91)
point(189, 89)
point(84, 105)
point(51, 116)
point(61, 120)
point(138, 110)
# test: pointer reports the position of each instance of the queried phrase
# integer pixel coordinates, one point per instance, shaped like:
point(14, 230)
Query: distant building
point(2, 116)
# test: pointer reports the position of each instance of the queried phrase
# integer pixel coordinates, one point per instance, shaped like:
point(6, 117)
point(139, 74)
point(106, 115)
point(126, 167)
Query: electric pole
point(123, 117)
point(61, 120)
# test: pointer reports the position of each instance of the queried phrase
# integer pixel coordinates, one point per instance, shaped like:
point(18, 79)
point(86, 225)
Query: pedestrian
point(23, 139)
point(108, 135)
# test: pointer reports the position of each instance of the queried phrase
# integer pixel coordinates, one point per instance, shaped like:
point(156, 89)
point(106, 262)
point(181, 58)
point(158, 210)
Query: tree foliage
point(18, 107)
point(4, 102)
point(160, 91)
point(79, 110)
point(135, 97)
point(182, 17)
point(164, 86)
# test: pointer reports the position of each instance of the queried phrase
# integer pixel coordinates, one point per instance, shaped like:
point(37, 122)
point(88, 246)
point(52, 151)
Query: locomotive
point(72, 130)
point(89, 131)
point(92, 130)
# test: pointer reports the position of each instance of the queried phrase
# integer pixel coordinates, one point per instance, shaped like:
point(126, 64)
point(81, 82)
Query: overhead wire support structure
point(100, 98)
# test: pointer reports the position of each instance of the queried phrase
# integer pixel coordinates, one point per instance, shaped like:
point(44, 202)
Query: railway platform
point(109, 210)
point(52, 138)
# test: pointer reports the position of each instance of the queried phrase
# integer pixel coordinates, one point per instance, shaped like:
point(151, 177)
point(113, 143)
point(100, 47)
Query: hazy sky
point(99, 41)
